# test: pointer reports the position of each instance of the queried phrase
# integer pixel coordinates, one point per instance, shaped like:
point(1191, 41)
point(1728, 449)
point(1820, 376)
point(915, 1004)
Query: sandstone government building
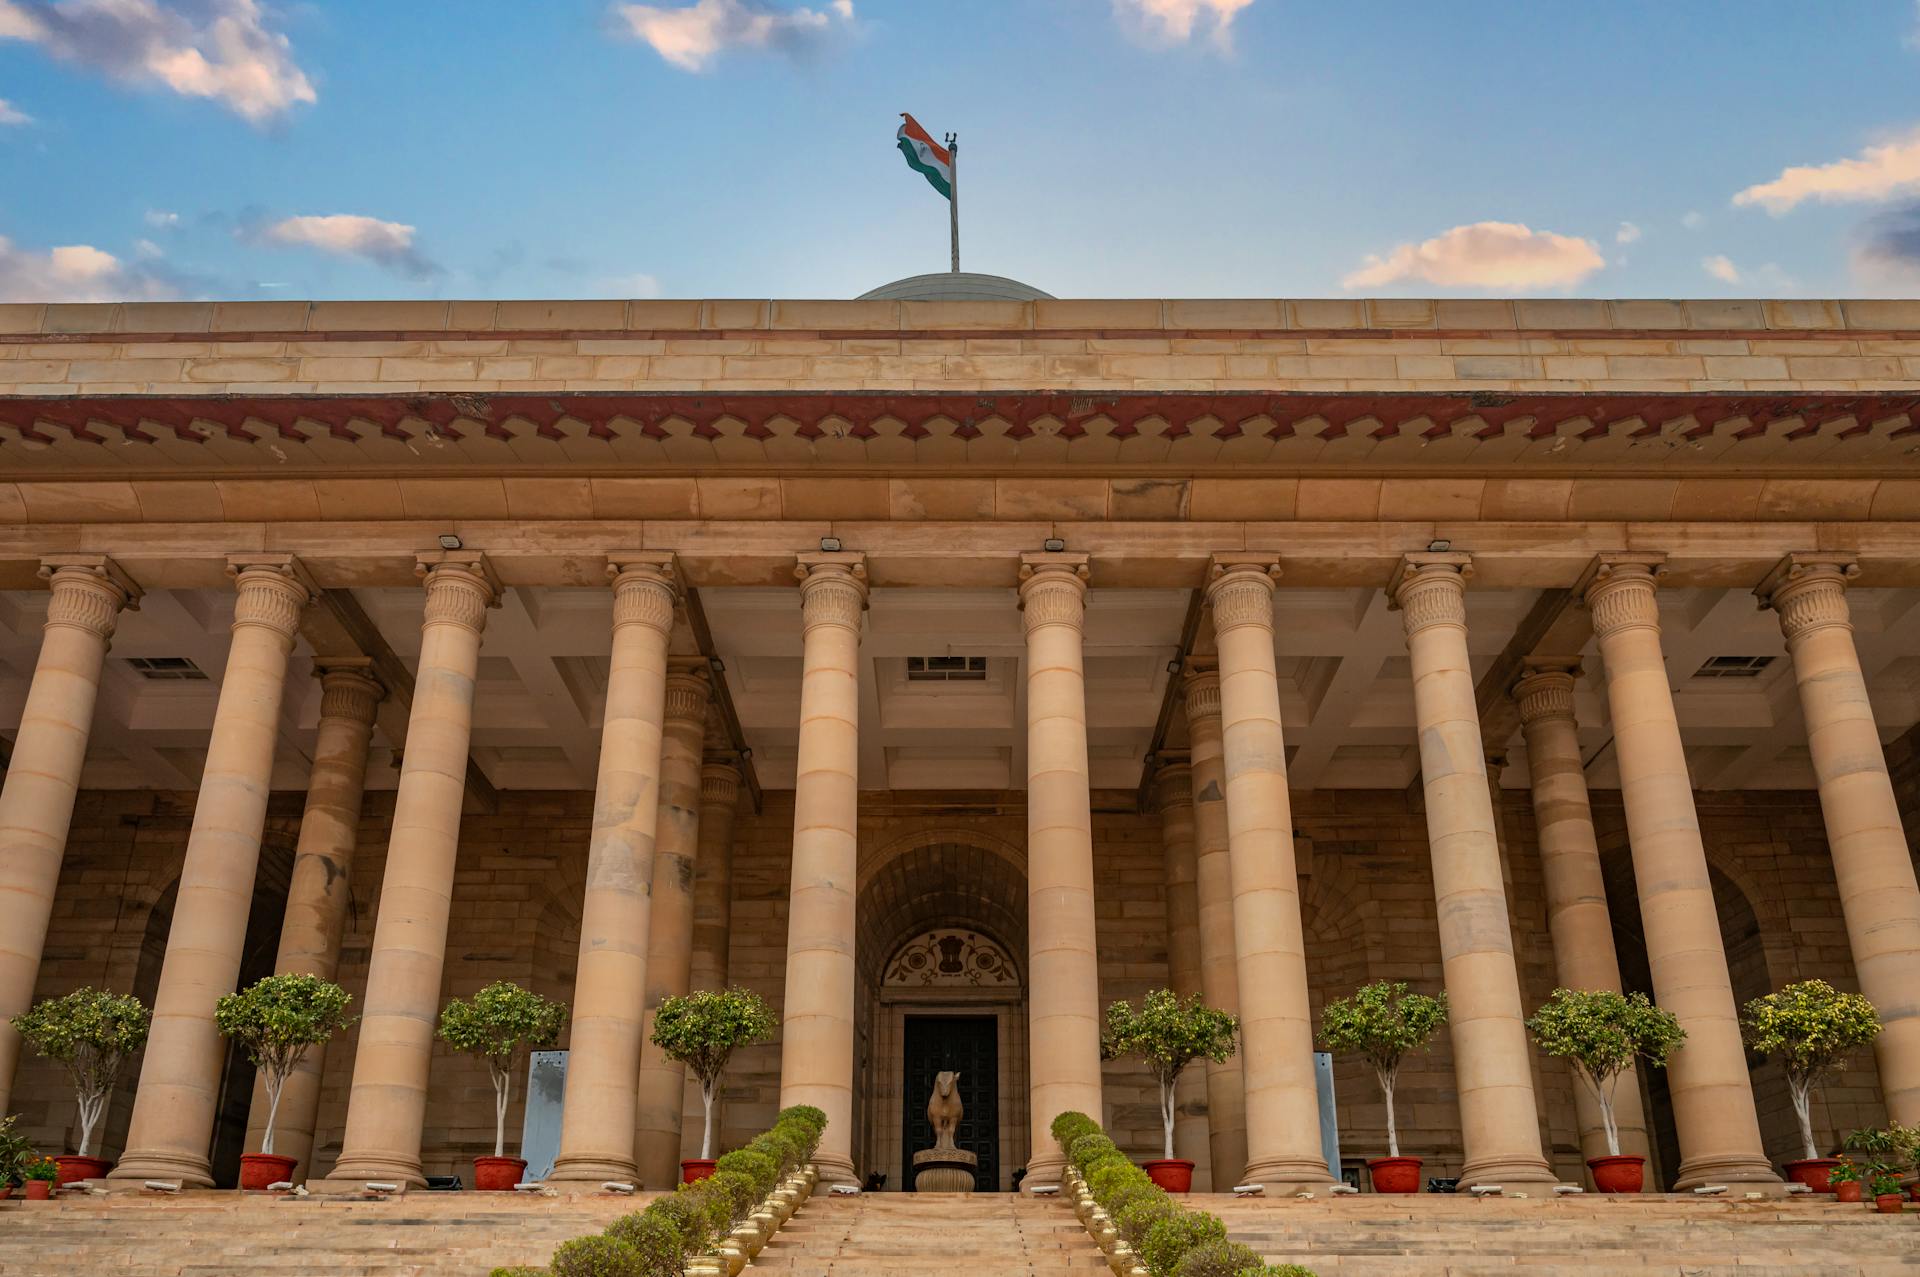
point(944, 665)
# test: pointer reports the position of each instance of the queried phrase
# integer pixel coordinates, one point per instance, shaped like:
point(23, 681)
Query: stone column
point(1063, 971)
point(1871, 861)
point(1173, 795)
point(1219, 970)
point(1276, 1030)
point(1500, 1125)
point(36, 804)
point(1583, 953)
point(603, 1063)
point(318, 894)
point(173, 1110)
point(663, 1082)
point(1713, 1107)
point(816, 1033)
point(713, 870)
point(387, 1106)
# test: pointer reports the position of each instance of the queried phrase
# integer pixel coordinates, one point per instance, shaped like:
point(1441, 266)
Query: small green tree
point(1812, 1027)
point(1601, 1033)
point(1383, 1023)
point(1169, 1035)
point(92, 1033)
point(276, 1020)
point(494, 1024)
point(703, 1030)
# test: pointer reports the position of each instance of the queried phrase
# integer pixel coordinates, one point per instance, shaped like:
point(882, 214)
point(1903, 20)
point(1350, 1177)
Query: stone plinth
point(944, 1170)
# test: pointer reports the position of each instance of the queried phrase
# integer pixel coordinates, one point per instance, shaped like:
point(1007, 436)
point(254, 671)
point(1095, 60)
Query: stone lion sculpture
point(944, 1109)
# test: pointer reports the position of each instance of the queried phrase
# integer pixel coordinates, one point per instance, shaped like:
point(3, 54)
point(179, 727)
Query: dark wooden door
point(969, 1045)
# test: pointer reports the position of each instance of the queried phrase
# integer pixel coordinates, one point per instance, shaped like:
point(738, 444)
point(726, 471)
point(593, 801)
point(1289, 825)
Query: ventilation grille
point(1733, 667)
point(166, 668)
point(946, 669)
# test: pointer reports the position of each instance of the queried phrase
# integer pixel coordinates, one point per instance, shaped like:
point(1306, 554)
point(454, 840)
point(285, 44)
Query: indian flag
point(925, 156)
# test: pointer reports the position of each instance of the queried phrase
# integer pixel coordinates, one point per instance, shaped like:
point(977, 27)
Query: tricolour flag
point(926, 156)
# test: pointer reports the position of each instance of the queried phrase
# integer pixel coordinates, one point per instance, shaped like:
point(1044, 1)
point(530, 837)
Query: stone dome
point(956, 286)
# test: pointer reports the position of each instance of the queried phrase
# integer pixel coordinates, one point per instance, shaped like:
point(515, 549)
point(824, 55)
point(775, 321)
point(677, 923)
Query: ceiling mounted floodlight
point(1439, 547)
point(1053, 545)
point(830, 545)
point(448, 541)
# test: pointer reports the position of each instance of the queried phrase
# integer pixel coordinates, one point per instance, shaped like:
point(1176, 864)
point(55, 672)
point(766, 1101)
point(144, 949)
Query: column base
point(592, 1168)
point(835, 1168)
point(186, 1169)
point(1284, 1176)
point(1507, 1170)
point(1754, 1172)
point(1048, 1168)
point(353, 1172)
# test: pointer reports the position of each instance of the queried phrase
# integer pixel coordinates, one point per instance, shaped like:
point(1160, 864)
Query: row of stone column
point(1235, 849)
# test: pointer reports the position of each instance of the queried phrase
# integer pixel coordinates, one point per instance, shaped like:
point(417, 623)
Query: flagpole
point(953, 195)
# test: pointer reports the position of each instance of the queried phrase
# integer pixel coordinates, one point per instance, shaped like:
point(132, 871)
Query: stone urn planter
point(1847, 1190)
point(260, 1171)
point(1622, 1174)
point(497, 1174)
point(1813, 1172)
point(1395, 1174)
point(695, 1169)
point(74, 1169)
point(1174, 1174)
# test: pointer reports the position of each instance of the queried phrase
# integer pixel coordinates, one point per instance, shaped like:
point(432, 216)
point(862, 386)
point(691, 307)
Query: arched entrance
point(942, 933)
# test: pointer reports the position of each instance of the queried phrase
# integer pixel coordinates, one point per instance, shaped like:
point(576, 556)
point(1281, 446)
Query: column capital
point(1240, 590)
point(1619, 590)
point(719, 783)
point(689, 690)
point(274, 591)
point(1172, 782)
point(1053, 589)
point(1809, 591)
point(646, 588)
point(1200, 687)
point(348, 688)
point(1430, 588)
point(1545, 691)
point(461, 585)
point(89, 592)
point(833, 588)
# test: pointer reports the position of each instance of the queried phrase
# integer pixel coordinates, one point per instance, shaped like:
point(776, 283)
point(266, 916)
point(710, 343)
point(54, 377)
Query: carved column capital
point(1430, 589)
point(833, 589)
point(689, 691)
point(1545, 692)
point(274, 591)
point(461, 586)
point(1172, 784)
point(1619, 590)
point(719, 783)
point(1809, 591)
point(1201, 693)
point(348, 688)
point(645, 590)
point(88, 592)
point(1053, 589)
point(1240, 592)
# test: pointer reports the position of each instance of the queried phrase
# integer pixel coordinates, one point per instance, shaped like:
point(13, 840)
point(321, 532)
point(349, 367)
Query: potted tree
point(495, 1024)
point(1382, 1022)
point(702, 1031)
point(276, 1021)
point(92, 1033)
point(1169, 1035)
point(1812, 1028)
point(1601, 1033)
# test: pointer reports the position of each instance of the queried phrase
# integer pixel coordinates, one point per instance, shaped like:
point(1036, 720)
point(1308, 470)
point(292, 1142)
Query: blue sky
point(500, 148)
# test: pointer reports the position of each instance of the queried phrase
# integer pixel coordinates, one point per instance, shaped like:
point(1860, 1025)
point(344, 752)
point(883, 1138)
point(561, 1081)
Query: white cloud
point(147, 249)
point(74, 273)
point(1173, 21)
point(1693, 220)
point(216, 49)
point(11, 114)
point(161, 219)
point(636, 286)
point(1627, 234)
point(1878, 172)
point(1485, 255)
point(690, 37)
point(389, 244)
point(1721, 267)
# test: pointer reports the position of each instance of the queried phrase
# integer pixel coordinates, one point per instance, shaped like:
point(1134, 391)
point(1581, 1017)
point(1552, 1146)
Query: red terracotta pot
point(1395, 1174)
point(1622, 1173)
point(497, 1174)
point(1888, 1204)
point(6, 1191)
point(1813, 1172)
point(39, 1190)
point(1847, 1190)
point(695, 1169)
point(260, 1170)
point(1174, 1174)
point(74, 1169)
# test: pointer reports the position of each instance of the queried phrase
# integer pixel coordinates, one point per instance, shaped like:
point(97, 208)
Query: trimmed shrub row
point(1171, 1240)
point(672, 1229)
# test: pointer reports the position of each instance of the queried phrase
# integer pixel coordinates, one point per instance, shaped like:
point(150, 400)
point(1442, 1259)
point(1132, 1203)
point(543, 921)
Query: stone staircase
point(911, 1235)
point(1593, 1236)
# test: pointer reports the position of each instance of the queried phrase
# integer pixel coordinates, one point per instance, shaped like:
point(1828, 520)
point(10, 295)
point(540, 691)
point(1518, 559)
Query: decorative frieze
point(1241, 594)
point(950, 958)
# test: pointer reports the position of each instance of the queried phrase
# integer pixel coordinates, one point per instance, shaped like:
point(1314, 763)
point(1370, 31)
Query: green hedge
point(1172, 1240)
point(695, 1218)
